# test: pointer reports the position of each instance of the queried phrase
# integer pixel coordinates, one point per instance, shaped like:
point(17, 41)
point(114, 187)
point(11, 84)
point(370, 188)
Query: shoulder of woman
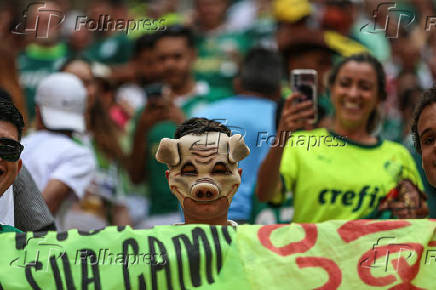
point(398, 147)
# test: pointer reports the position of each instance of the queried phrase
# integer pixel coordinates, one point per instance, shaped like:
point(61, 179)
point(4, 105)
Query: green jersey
point(332, 177)
point(112, 50)
point(218, 57)
point(162, 200)
point(34, 64)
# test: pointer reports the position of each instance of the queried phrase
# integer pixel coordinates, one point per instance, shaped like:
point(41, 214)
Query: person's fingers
point(397, 204)
point(294, 115)
point(400, 210)
point(306, 114)
point(405, 214)
point(159, 110)
point(301, 107)
point(174, 108)
point(291, 99)
point(416, 201)
point(154, 103)
point(406, 208)
point(422, 212)
point(159, 101)
point(383, 205)
point(423, 209)
point(298, 121)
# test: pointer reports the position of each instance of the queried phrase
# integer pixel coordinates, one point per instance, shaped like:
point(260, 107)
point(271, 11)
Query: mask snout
point(204, 191)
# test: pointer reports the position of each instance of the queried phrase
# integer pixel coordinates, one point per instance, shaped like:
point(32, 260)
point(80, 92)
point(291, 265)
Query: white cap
point(61, 98)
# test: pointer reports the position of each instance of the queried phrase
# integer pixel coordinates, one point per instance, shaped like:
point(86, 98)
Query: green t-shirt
point(35, 63)
point(262, 32)
point(113, 50)
point(162, 200)
point(6, 229)
point(332, 177)
point(218, 57)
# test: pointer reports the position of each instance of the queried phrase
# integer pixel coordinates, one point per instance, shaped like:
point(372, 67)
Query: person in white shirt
point(61, 167)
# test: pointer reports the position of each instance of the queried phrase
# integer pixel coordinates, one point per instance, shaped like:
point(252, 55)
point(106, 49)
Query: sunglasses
point(10, 150)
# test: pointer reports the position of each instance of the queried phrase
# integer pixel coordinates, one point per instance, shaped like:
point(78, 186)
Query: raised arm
point(155, 111)
point(293, 117)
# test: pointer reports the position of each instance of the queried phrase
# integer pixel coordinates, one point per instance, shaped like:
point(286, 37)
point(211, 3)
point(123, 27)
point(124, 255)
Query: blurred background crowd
point(198, 60)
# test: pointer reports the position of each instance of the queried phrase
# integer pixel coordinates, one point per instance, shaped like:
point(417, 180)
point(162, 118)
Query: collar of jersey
point(351, 142)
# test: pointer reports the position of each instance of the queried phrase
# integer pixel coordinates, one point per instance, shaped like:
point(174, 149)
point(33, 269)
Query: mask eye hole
point(220, 168)
point(189, 169)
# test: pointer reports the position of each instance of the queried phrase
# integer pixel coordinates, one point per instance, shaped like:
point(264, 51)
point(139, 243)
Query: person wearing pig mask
point(203, 169)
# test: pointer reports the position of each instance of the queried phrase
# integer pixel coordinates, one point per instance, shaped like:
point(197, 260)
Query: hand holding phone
point(296, 115)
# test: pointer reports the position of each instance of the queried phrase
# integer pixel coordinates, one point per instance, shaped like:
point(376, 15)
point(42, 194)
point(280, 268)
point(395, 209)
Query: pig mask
point(209, 164)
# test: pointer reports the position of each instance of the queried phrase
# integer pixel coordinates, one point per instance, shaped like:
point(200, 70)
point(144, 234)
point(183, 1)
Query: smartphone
point(305, 81)
point(154, 90)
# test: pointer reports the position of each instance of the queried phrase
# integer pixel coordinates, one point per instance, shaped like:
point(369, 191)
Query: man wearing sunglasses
point(29, 208)
point(11, 127)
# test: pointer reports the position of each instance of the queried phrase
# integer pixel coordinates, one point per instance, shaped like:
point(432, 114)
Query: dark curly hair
point(429, 98)
point(9, 113)
point(198, 126)
point(381, 81)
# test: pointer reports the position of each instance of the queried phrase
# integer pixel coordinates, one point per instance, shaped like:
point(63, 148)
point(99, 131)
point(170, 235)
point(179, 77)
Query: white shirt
point(7, 207)
point(54, 156)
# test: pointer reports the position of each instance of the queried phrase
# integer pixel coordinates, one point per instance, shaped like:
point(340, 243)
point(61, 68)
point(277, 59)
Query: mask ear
point(237, 148)
point(168, 152)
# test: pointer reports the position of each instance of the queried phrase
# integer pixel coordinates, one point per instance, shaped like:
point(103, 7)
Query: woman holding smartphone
point(343, 172)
